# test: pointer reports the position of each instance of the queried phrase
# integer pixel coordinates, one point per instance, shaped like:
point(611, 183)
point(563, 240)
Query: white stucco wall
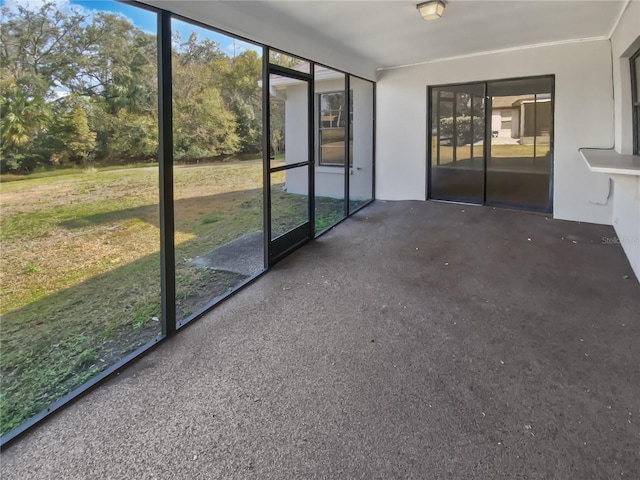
point(583, 116)
point(329, 180)
point(296, 138)
point(626, 219)
point(361, 173)
point(625, 41)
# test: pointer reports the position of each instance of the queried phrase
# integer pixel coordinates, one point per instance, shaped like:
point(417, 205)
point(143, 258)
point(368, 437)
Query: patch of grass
point(210, 219)
point(329, 211)
point(497, 151)
point(80, 271)
point(80, 266)
point(48, 173)
point(30, 270)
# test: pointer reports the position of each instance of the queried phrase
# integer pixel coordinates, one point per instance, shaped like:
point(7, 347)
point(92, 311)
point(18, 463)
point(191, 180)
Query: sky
point(146, 20)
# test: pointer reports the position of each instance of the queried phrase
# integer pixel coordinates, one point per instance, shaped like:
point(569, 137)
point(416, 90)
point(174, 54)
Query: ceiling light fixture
point(431, 10)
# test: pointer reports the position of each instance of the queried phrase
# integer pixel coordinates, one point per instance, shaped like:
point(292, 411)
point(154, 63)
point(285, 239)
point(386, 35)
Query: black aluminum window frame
point(488, 134)
point(635, 101)
point(347, 128)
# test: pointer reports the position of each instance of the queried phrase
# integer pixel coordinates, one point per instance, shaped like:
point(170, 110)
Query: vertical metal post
point(635, 102)
point(373, 141)
point(471, 128)
point(535, 125)
point(311, 134)
point(429, 145)
point(454, 140)
point(347, 149)
point(551, 142)
point(486, 144)
point(165, 167)
point(438, 128)
point(266, 157)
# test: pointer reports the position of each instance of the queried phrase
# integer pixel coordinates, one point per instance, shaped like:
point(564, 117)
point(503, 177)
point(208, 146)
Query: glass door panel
point(289, 200)
point(218, 172)
point(289, 162)
point(519, 154)
point(331, 121)
point(361, 144)
point(457, 138)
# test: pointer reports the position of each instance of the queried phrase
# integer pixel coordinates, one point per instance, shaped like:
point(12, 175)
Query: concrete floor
point(415, 340)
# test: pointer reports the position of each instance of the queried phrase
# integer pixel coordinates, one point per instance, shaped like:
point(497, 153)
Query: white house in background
point(330, 120)
point(522, 117)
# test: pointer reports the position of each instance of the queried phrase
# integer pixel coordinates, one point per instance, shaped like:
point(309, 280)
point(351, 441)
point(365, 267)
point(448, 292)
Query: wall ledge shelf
point(622, 169)
point(611, 162)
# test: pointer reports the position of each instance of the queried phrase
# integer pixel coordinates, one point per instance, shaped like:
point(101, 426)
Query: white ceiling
point(390, 33)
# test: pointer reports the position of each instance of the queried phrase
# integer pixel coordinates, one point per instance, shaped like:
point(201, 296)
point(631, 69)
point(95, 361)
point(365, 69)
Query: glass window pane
point(637, 77)
point(289, 61)
point(80, 267)
point(277, 112)
point(519, 164)
point(361, 143)
point(217, 130)
point(289, 130)
point(457, 142)
point(331, 117)
point(288, 103)
point(289, 200)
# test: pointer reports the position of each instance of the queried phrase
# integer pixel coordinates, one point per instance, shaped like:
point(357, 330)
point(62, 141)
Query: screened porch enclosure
point(196, 175)
point(221, 258)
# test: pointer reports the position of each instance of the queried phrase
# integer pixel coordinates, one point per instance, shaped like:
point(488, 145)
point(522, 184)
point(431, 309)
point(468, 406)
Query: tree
point(241, 88)
point(60, 68)
point(70, 138)
point(22, 118)
point(277, 58)
point(203, 127)
point(80, 85)
point(38, 45)
point(203, 124)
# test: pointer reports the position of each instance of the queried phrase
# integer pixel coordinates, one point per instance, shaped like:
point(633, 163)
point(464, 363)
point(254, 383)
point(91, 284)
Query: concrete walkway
point(243, 256)
point(415, 340)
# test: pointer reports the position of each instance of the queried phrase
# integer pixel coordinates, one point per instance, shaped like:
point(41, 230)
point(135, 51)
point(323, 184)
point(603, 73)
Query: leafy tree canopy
point(81, 86)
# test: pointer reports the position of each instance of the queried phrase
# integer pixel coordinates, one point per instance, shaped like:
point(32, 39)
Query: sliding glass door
point(457, 133)
point(491, 143)
point(519, 153)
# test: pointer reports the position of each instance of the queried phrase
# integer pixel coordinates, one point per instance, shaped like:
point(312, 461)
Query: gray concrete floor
point(415, 340)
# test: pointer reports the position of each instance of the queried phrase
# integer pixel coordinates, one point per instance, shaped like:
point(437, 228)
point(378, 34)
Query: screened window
point(332, 128)
point(506, 120)
point(635, 95)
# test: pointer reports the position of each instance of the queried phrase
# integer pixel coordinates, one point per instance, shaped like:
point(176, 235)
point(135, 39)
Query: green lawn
point(80, 275)
point(497, 151)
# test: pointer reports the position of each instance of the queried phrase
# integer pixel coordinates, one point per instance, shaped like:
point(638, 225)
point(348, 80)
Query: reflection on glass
point(217, 122)
point(361, 144)
point(457, 138)
point(331, 117)
point(332, 124)
point(80, 269)
point(518, 166)
point(289, 200)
